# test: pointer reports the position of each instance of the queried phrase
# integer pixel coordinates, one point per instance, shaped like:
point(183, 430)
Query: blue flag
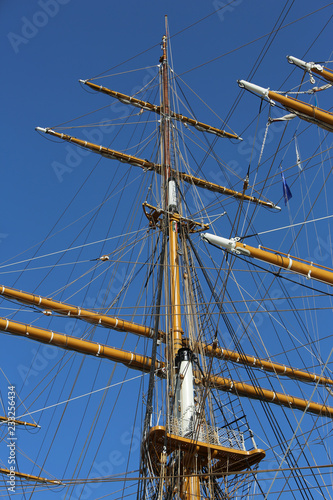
point(286, 191)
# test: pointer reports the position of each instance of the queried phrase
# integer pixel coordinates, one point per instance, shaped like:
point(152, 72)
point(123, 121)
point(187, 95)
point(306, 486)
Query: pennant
point(298, 158)
point(286, 191)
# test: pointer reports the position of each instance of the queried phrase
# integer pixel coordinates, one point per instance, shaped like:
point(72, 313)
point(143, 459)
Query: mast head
point(308, 66)
point(253, 88)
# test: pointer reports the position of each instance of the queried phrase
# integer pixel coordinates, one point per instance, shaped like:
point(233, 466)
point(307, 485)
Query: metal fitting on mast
point(255, 89)
point(184, 354)
point(185, 392)
point(172, 196)
point(308, 66)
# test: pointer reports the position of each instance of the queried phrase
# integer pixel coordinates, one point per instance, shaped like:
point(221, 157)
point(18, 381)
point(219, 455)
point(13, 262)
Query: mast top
point(308, 66)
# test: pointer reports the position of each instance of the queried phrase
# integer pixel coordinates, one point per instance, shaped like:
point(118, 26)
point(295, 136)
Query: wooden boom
point(29, 477)
point(126, 99)
point(269, 396)
point(77, 312)
point(148, 165)
point(263, 364)
point(143, 363)
point(312, 67)
point(308, 112)
point(17, 422)
point(279, 259)
point(129, 359)
point(141, 330)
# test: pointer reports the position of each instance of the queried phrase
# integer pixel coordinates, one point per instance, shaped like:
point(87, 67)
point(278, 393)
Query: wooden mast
point(190, 488)
point(181, 357)
point(170, 197)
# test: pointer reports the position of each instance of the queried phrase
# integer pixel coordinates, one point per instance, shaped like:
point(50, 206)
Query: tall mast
point(180, 357)
point(171, 205)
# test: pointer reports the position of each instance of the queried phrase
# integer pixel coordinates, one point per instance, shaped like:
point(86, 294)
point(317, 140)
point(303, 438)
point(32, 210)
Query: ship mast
point(171, 205)
point(180, 357)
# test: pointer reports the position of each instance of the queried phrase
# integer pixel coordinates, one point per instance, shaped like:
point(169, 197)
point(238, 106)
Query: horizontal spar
point(77, 312)
point(284, 261)
point(129, 359)
point(29, 477)
point(143, 363)
point(268, 366)
point(119, 324)
point(308, 112)
point(249, 391)
point(210, 186)
point(148, 165)
point(13, 421)
point(126, 99)
point(312, 67)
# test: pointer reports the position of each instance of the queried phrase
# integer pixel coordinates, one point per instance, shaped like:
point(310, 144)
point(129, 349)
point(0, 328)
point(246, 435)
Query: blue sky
point(47, 46)
point(46, 50)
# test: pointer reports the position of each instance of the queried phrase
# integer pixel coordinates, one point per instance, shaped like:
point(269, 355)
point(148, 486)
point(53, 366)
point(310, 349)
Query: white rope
point(46, 267)
point(110, 122)
point(256, 173)
point(122, 73)
point(294, 225)
point(74, 248)
point(82, 396)
point(298, 426)
point(263, 143)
